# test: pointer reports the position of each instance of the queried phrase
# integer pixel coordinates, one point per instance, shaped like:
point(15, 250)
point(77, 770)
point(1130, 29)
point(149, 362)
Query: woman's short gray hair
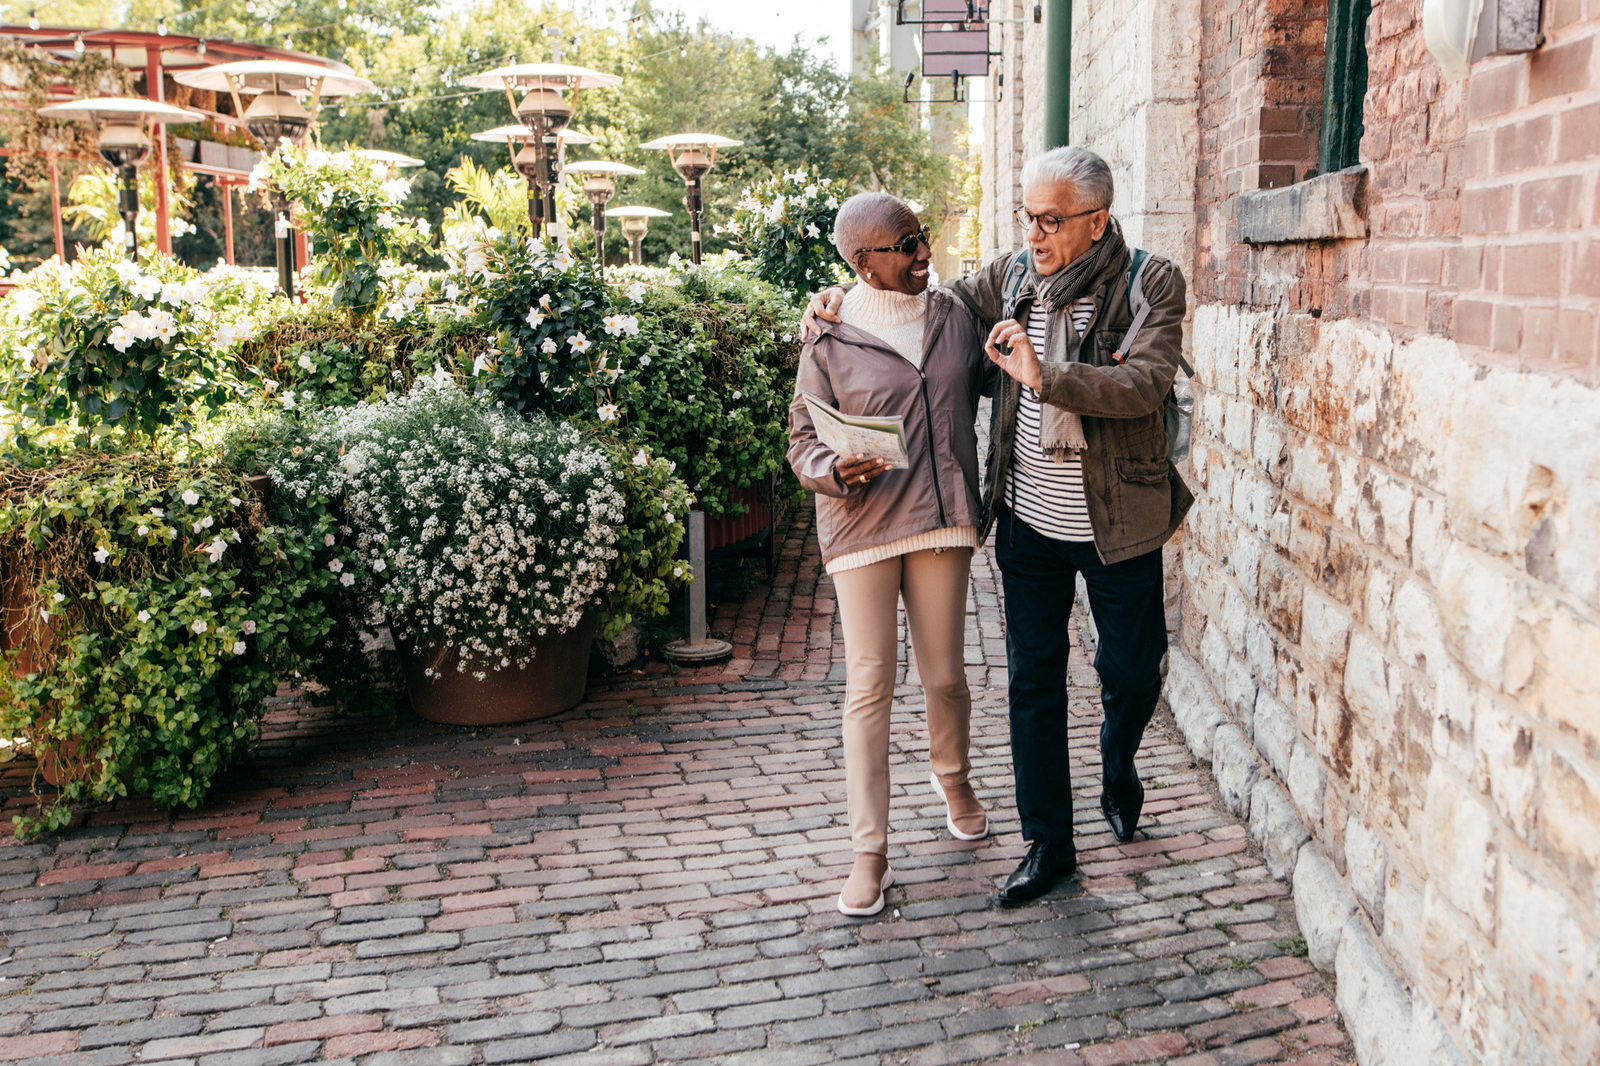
point(1086, 172)
point(863, 219)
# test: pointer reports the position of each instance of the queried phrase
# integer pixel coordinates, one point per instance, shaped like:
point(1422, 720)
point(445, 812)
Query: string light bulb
point(288, 43)
point(161, 27)
point(33, 19)
point(200, 49)
point(77, 44)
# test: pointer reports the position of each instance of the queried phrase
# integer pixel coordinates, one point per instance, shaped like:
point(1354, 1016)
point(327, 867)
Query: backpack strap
point(1016, 277)
point(1139, 308)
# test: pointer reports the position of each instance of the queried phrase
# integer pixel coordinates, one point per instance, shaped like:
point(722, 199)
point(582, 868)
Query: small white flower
point(146, 287)
point(386, 220)
point(636, 292)
point(641, 458)
point(670, 519)
point(143, 616)
point(287, 399)
point(677, 571)
point(549, 346)
point(544, 301)
point(534, 317)
point(190, 497)
point(200, 625)
point(60, 597)
point(101, 554)
point(579, 343)
point(143, 531)
point(607, 412)
point(203, 593)
point(644, 360)
point(247, 627)
point(328, 540)
point(214, 552)
point(347, 580)
point(119, 338)
point(306, 362)
point(336, 566)
point(812, 231)
point(238, 647)
point(234, 501)
point(379, 566)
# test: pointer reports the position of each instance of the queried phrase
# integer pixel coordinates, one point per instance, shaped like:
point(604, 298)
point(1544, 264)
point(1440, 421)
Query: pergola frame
point(156, 55)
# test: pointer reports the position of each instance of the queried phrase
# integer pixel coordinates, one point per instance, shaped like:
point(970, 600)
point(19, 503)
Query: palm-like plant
point(501, 195)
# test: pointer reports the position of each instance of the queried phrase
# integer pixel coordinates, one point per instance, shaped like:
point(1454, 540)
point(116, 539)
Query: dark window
point(1344, 85)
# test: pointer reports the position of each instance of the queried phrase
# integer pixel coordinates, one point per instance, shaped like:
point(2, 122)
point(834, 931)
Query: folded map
point(874, 437)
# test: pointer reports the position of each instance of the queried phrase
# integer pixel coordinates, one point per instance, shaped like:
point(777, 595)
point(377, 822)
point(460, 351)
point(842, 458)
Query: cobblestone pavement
point(648, 878)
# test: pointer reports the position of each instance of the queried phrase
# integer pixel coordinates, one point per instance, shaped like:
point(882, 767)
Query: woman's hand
point(824, 304)
point(1010, 349)
point(859, 470)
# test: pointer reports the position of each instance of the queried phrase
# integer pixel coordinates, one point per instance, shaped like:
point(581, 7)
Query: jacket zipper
point(933, 464)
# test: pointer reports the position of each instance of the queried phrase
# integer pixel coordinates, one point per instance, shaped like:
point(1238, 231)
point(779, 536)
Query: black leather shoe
point(1123, 817)
point(1044, 866)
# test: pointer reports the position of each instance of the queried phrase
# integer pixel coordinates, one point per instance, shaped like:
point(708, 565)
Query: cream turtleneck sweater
point(897, 319)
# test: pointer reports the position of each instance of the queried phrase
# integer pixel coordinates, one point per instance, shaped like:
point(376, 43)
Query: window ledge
point(1327, 207)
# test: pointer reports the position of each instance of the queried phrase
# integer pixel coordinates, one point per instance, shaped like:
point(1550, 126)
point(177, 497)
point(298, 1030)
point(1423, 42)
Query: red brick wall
point(1483, 206)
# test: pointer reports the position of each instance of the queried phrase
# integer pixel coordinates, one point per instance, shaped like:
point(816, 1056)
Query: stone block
point(1367, 859)
point(1478, 604)
point(1418, 636)
point(1374, 1004)
point(1276, 826)
point(1366, 680)
point(1321, 905)
point(1194, 707)
point(1325, 634)
point(1236, 768)
point(1305, 782)
point(1555, 666)
point(1569, 819)
point(1458, 847)
point(1431, 1042)
point(1327, 207)
point(1274, 732)
point(1505, 761)
point(1402, 919)
point(1551, 960)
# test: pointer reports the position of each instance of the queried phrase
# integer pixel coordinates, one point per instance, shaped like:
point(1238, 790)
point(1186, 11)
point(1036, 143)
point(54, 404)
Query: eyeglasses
point(1048, 223)
point(906, 245)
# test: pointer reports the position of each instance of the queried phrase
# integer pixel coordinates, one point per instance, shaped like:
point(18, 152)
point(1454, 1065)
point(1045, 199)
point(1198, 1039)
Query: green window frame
point(1344, 85)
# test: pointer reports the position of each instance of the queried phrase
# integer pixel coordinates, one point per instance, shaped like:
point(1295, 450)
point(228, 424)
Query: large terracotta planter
point(551, 683)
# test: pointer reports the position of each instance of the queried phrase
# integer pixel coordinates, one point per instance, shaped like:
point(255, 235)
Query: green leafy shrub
point(351, 206)
point(474, 528)
point(151, 605)
point(708, 379)
point(108, 345)
point(785, 223)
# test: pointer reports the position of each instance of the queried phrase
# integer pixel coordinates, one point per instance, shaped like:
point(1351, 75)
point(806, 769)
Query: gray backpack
point(1180, 403)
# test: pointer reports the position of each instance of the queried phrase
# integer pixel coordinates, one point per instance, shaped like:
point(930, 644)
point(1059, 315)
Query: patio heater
point(693, 155)
point(517, 140)
point(635, 224)
point(276, 117)
point(124, 145)
point(599, 185)
point(550, 94)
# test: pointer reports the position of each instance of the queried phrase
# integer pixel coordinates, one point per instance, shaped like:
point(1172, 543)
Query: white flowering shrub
point(477, 530)
point(785, 223)
point(151, 607)
point(107, 344)
point(351, 206)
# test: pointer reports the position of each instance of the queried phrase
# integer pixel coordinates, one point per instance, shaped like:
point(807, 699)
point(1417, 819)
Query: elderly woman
point(892, 534)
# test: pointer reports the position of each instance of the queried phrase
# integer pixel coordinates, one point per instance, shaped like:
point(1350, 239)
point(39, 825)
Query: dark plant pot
point(551, 683)
point(726, 530)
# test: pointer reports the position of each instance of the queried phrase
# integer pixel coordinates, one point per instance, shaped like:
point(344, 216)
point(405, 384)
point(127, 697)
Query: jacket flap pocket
point(1143, 471)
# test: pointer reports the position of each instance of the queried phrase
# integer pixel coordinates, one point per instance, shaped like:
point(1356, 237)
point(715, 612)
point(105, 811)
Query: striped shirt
point(1046, 494)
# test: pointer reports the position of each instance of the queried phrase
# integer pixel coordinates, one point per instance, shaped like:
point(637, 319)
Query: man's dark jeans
point(1039, 577)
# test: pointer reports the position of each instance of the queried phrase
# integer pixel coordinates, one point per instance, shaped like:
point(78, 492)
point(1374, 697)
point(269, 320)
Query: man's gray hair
point(1086, 172)
point(863, 219)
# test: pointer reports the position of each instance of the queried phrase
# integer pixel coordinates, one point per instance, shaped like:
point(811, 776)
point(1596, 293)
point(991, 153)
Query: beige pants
point(934, 587)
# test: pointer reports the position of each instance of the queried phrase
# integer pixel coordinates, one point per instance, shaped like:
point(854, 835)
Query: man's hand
point(858, 469)
point(824, 304)
point(1010, 349)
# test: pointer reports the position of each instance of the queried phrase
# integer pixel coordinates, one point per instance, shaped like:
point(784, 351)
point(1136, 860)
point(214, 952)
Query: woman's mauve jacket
point(858, 374)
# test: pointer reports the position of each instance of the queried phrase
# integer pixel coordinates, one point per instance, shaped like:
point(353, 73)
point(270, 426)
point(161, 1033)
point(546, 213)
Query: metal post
point(155, 89)
point(128, 204)
point(55, 209)
point(227, 216)
point(1057, 73)
point(698, 647)
point(598, 217)
point(283, 230)
point(692, 202)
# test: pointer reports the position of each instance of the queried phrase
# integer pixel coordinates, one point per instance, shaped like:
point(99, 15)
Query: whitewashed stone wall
point(1390, 653)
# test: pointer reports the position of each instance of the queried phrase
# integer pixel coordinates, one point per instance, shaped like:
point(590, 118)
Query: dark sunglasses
point(906, 245)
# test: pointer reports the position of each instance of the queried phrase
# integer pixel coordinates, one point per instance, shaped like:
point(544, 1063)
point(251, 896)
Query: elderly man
point(1078, 482)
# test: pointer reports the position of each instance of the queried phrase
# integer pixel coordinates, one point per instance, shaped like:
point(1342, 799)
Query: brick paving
point(649, 878)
